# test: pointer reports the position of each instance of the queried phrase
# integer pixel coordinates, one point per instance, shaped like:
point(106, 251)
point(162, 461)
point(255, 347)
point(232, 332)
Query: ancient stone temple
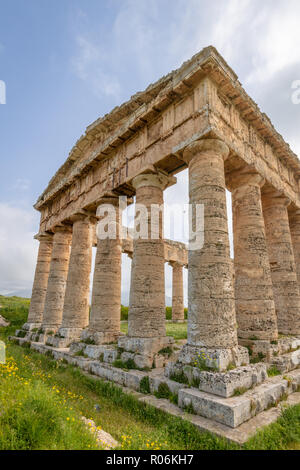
point(243, 313)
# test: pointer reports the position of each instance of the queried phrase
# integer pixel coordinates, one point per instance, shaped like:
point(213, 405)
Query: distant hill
point(22, 293)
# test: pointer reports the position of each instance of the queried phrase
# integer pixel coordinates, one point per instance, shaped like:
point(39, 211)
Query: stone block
point(133, 379)
point(236, 410)
point(76, 347)
point(94, 351)
point(225, 384)
point(125, 356)
point(31, 326)
point(287, 362)
point(110, 355)
point(155, 381)
point(142, 361)
point(58, 342)
point(148, 346)
point(218, 359)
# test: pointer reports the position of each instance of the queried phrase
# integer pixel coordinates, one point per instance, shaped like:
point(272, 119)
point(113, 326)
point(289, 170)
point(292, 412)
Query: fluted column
point(255, 308)
point(211, 319)
point(56, 287)
point(282, 262)
point(76, 304)
point(295, 234)
point(40, 282)
point(147, 292)
point(177, 292)
point(104, 324)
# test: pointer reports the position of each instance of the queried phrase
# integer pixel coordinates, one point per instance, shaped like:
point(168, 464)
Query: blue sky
point(67, 62)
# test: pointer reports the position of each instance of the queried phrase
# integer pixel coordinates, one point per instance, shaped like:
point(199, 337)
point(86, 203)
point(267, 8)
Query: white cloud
point(21, 184)
point(89, 66)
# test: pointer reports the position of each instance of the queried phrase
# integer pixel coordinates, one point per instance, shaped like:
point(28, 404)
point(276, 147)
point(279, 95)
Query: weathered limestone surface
point(104, 323)
point(59, 267)
point(254, 302)
point(236, 410)
point(223, 384)
point(147, 291)
point(282, 262)
point(211, 320)
point(294, 220)
point(177, 293)
point(40, 282)
point(76, 304)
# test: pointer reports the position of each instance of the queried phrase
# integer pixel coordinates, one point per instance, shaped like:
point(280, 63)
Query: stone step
point(130, 379)
point(236, 410)
point(223, 384)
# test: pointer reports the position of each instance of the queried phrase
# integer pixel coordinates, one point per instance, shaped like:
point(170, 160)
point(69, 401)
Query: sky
point(67, 62)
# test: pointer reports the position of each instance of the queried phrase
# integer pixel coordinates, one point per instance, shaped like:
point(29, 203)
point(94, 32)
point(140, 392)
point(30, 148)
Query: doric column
point(147, 292)
point(57, 278)
point(211, 320)
point(282, 262)
point(76, 304)
point(255, 308)
point(40, 282)
point(146, 322)
point(104, 326)
point(177, 292)
point(295, 234)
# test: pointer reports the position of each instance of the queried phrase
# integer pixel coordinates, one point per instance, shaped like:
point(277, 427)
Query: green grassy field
point(42, 402)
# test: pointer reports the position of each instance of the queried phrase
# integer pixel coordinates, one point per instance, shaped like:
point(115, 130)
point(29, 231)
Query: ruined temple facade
point(197, 117)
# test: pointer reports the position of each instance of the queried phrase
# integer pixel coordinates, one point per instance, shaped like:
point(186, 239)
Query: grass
point(42, 400)
point(273, 371)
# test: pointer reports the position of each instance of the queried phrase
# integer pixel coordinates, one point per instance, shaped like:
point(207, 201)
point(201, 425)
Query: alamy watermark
point(178, 221)
point(2, 92)
point(296, 93)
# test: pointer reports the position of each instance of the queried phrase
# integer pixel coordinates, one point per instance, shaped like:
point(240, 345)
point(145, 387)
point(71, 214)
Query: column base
point(99, 337)
point(147, 353)
point(64, 337)
point(215, 359)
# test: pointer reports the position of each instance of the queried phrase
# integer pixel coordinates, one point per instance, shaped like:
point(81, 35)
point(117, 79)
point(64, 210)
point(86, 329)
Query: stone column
point(177, 292)
point(147, 314)
point(57, 278)
point(282, 262)
point(295, 234)
point(104, 326)
point(40, 283)
point(76, 304)
point(255, 308)
point(211, 321)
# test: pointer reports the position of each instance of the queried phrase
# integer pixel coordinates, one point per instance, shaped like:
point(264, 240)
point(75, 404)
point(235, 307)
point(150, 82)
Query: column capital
point(109, 199)
point(62, 228)
point(175, 264)
point(83, 216)
point(44, 237)
point(246, 177)
point(157, 180)
point(205, 146)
